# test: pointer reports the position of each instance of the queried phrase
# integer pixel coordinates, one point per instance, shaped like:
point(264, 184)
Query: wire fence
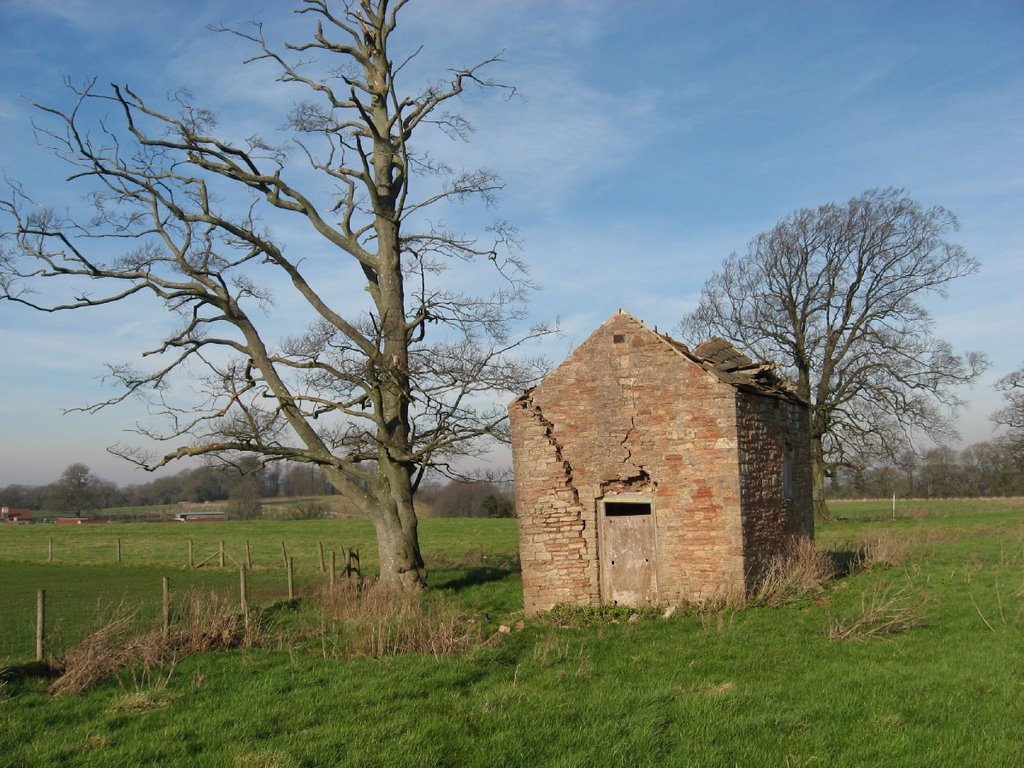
point(152, 545)
point(48, 607)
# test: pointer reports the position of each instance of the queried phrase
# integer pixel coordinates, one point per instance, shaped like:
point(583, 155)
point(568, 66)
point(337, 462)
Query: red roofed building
point(15, 515)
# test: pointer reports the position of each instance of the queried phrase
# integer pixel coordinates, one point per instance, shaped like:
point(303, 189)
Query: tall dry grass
point(206, 622)
point(354, 620)
point(885, 611)
point(375, 619)
point(885, 549)
point(797, 573)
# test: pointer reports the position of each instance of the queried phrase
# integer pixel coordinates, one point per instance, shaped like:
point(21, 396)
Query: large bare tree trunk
point(388, 504)
point(398, 546)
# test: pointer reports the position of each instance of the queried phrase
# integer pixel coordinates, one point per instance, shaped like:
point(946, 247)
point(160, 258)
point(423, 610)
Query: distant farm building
point(15, 515)
point(204, 516)
point(647, 473)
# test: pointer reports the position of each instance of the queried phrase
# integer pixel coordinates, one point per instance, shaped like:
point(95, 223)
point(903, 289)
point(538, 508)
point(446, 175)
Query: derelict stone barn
point(650, 474)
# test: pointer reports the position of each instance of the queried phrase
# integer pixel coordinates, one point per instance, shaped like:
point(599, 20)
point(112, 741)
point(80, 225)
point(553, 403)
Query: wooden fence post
point(248, 555)
point(291, 577)
point(222, 553)
point(118, 549)
point(284, 555)
point(49, 551)
point(40, 623)
point(243, 592)
point(330, 578)
point(320, 549)
point(191, 554)
point(167, 607)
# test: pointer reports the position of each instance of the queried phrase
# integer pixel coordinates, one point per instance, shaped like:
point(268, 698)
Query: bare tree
point(834, 294)
point(77, 490)
point(373, 395)
point(1011, 415)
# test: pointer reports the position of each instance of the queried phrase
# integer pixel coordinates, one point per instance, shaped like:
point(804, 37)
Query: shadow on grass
point(457, 579)
point(31, 669)
point(846, 562)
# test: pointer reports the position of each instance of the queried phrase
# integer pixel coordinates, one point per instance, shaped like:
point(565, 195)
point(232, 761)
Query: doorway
point(628, 552)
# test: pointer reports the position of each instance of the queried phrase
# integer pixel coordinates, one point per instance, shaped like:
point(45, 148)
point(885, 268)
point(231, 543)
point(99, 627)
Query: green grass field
point(752, 687)
point(78, 567)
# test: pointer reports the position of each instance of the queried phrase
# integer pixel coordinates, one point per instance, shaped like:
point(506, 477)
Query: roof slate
point(721, 354)
point(721, 358)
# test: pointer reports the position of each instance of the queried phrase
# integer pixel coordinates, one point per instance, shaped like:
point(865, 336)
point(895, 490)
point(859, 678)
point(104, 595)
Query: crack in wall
point(625, 440)
point(629, 432)
point(549, 432)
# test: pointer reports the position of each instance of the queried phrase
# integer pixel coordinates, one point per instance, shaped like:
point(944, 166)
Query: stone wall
point(557, 544)
point(775, 477)
point(627, 412)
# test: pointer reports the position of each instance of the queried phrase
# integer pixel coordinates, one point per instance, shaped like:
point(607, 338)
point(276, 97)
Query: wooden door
point(628, 562)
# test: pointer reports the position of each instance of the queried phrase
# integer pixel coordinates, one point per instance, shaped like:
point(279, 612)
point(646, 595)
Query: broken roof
point(722, 359)
point(723, 355)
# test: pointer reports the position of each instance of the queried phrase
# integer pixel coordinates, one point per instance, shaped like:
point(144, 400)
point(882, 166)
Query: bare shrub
point(379, 620)
point(103, 651)
point(883, 612)
point(795, 574)
point(312, 509)
point(207, 623)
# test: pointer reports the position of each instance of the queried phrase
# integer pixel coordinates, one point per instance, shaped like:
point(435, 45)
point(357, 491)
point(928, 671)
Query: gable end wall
point(627, 416)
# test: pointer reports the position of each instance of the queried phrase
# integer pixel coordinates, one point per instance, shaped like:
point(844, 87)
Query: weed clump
point(886, 549)
point(883, 612)
point(795, 574)
point(580, 616)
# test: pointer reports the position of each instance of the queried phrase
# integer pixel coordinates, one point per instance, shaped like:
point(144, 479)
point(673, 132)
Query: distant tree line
point(78, 491)
point(458, 498)
point(992, 468)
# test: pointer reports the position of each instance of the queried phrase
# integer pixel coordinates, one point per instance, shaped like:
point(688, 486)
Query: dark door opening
point(626, 508)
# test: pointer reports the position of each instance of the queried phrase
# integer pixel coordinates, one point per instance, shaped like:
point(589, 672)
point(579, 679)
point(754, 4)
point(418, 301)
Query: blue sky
point(650, 140)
